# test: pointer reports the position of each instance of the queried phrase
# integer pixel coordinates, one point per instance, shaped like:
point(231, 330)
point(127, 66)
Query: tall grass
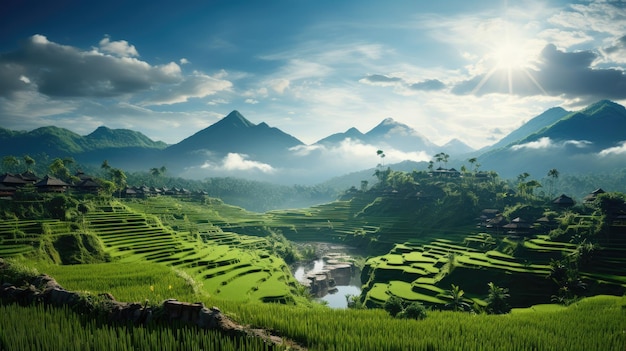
point(38, 328)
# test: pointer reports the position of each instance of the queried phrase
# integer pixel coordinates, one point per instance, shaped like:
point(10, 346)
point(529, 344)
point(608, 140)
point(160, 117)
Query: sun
point(509, 55)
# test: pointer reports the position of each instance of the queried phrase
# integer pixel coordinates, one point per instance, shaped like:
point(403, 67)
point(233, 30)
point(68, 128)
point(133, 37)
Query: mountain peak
point(235, 120)
point(603, 105)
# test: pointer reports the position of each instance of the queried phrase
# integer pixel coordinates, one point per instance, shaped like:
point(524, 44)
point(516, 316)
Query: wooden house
point(564, 201)
point(50, 184)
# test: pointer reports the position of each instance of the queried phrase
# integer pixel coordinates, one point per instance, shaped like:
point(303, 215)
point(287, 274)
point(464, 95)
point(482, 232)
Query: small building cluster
point(84, 184)
point(146, 191)
point(493, 220)
point(10, 183)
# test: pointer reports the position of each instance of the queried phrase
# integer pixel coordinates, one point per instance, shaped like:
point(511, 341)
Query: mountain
point(399, 136)
point(588, 140)
point(579, 142)
point(395, 135)
point(536, 124)
point(104, 137)
point(53, 141)
point(600, 126)
point(456, 147)
point(337, 138)
point(235, 134)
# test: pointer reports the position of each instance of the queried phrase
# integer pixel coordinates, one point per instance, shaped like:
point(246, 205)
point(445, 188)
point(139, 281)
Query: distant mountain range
point(580, 141)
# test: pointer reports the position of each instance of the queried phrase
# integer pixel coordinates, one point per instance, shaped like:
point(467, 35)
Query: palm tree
point(496, 299)
point(119, 178)
point(455, 295)
point(554, 174)
point(382, 155)
point(442, 157)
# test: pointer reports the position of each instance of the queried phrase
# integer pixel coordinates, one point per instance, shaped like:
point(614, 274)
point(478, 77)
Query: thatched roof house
point(593, 195)
point(13, 180)
point(564, 201)
point(518, 226)
point(51, 184)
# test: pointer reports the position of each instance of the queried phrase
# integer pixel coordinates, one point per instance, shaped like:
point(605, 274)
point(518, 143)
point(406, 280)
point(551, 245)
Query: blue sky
point(473, 70)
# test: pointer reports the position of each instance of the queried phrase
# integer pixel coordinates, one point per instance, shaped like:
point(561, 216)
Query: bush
point(415, 310)
point(393, 306)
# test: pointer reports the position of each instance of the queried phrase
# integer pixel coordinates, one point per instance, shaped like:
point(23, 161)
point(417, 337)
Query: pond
point(331, 278)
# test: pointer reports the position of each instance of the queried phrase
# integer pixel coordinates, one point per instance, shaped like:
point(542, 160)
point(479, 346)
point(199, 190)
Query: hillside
point(421, 248)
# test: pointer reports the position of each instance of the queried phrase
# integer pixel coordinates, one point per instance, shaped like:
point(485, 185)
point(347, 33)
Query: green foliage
point(456, 299)
point(80, 248)
point(60, 206)
point(414, 310)
point(496, 300)
point(393, 306)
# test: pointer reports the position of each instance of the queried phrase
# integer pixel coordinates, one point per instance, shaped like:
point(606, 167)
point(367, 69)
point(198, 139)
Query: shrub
point(393, 306)
point(414, 310)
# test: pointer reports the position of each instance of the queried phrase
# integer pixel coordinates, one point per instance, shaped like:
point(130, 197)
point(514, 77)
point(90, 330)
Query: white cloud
point(616, 150)
point(251, 101)
point(238, 162)
point(184, 61)
point(578, 143)
point(352, 154)
point(120, 47)
point(198, 85)
point(279, 85)
point(542, 143)
point(546, 143)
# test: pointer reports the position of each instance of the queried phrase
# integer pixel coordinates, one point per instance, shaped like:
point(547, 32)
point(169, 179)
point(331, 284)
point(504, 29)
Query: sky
point(472, 70)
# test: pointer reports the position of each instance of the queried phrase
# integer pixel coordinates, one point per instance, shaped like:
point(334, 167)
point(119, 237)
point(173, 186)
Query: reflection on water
point(335, 296)
point(309, 268)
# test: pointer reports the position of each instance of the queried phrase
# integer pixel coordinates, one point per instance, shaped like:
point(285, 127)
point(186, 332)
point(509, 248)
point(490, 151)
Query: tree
point(106, 167)
point(155, 172)
point(442, 157)
point(554, 174)
point(530, 187)
point(430, 165)
point(10, 163)
point(119, 179)
point(382, 155)
point(455, 295)
point(393, 305)
point(414, 310)
point(472, 161)
point(58, 169)
point(496, 300)
point(29, 162)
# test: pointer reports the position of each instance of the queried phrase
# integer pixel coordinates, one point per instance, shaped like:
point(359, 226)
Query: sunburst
point(508, 52)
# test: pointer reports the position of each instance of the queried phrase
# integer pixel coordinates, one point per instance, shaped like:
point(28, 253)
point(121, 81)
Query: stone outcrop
point(335, 272)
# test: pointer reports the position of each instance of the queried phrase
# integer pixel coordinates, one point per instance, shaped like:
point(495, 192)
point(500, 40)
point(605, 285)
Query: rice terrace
point(310, 175)
point(512, 271)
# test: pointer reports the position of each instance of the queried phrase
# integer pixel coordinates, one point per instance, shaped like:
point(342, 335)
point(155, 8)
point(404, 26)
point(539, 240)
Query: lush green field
point(596, 323)
point(38, 328)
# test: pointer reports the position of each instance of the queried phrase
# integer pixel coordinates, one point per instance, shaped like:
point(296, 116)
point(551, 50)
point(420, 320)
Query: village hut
point(51, 184)
point(564, 201)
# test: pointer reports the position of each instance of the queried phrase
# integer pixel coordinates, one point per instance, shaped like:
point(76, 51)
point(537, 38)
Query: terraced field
point(424, 272)
point(228, 265)
point(25, 236)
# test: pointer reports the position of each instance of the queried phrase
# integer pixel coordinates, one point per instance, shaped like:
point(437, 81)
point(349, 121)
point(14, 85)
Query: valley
point(419, 247)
